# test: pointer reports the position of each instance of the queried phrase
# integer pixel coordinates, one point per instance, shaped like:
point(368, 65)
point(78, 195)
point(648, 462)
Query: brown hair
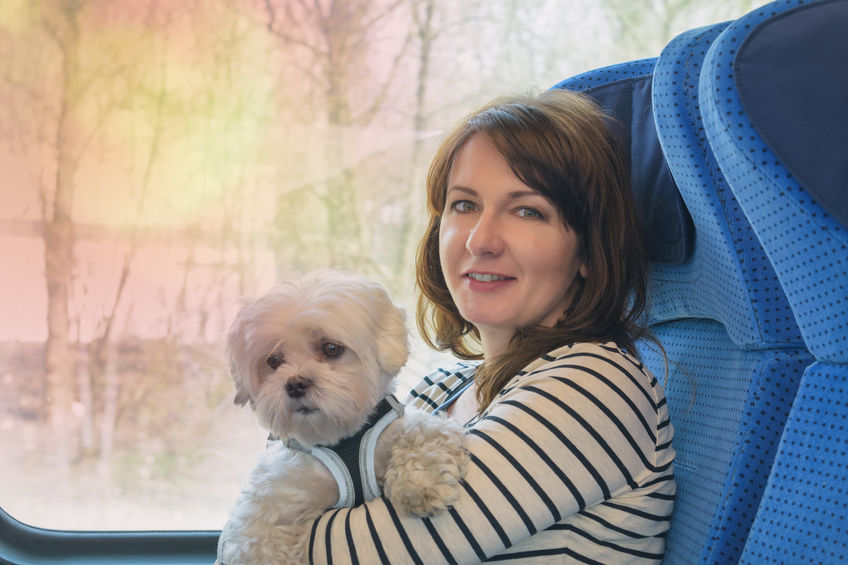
point(561, 144)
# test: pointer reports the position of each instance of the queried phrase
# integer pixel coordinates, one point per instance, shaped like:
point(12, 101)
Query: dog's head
point(314, 356)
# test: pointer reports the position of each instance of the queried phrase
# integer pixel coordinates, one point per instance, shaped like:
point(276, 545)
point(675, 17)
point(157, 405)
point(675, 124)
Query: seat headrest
point(772, 93)
point(776, 69)
point(729, 278)
point(662, 212)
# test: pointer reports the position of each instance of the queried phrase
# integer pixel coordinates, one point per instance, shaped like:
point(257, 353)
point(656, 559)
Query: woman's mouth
point(486, 277)
point(486, 282)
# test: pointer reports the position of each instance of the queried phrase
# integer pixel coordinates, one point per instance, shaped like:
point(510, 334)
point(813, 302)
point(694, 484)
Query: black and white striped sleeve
point(576, 430)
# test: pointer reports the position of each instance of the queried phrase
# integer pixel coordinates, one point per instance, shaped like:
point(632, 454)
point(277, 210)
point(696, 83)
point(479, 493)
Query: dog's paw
point(426, 468)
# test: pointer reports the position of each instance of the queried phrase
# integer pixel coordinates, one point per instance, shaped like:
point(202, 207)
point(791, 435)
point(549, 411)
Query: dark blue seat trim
point(803, 126)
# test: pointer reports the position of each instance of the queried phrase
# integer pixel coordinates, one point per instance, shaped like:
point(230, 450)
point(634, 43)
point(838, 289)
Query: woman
point(532, 262)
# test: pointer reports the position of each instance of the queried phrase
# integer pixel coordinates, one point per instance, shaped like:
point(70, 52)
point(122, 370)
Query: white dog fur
point(313, 358)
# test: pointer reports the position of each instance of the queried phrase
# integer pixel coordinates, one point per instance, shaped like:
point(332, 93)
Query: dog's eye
point(331, 349)
point(274, 361)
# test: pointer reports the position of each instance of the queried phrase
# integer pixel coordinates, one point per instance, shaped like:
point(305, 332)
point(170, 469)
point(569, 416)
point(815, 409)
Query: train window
point(163, 159)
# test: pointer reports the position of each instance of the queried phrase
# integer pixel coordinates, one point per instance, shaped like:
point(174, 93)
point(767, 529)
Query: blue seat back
point(735, 352)
point(774, 92)
point(739, 371)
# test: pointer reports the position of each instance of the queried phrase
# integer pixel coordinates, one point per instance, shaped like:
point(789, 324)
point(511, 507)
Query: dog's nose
point(296, 388)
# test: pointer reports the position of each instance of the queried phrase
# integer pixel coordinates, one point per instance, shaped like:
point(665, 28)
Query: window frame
point(21, 544)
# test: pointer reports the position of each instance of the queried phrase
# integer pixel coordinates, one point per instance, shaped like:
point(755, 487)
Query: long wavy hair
point(562, 145)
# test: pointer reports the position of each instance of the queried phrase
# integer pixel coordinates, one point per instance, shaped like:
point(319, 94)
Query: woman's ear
point(583, 271)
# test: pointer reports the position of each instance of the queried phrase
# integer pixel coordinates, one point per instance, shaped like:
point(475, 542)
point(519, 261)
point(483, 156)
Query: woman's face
point(505, 253)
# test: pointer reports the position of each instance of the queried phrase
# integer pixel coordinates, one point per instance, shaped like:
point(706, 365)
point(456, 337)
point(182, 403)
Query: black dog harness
point(351, 461)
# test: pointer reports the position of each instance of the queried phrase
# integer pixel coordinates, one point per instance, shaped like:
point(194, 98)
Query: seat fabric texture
point(747, 381)
point(785, 60)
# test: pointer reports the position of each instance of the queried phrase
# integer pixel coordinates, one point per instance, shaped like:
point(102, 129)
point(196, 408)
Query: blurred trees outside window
point(162, 160)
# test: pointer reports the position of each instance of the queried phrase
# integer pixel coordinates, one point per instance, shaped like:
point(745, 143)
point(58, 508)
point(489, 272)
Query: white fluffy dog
point(316, 359)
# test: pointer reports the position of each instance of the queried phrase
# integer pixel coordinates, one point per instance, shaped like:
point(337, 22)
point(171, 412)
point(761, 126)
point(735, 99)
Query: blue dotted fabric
point(735, 370)
point(729, 278)
point(802, 516)
point(747, 367)
point(804, 512)
point(727, 406)
point(606, 75)
point(808, 247)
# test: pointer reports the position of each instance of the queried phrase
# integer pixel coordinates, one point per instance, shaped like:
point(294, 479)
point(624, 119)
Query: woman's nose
point(486, 237)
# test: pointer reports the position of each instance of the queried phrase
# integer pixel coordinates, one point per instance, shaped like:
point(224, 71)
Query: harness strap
point(368, 447)
point(353, 456)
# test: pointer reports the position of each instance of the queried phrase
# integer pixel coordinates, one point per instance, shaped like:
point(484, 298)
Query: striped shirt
point(571, 463)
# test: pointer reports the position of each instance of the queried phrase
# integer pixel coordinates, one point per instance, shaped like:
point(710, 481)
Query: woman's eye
point(530, 213)
point(463, 206)
point(332, 350)
point(274, 361)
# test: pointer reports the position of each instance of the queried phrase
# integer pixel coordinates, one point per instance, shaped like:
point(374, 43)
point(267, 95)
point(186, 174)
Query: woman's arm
point(573, 432)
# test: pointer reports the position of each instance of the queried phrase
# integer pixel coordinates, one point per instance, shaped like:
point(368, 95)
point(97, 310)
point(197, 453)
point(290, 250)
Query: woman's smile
point(486, 277)
point(487, 282)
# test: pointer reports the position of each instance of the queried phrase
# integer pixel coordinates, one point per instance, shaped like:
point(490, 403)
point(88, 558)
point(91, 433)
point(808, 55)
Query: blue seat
point(774, 94)
point(735, 353)
point(728, 328)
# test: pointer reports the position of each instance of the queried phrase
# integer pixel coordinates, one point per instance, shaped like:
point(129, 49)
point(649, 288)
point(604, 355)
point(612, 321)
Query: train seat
point(773, 90)
point(735, 353)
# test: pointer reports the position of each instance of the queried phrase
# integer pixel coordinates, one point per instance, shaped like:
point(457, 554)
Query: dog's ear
point(242, 394)
point(236, 353)
point(392, 343)
point(241, 398)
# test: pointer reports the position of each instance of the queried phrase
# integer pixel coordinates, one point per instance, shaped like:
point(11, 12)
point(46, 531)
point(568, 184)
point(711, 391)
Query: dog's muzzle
point(297, 387)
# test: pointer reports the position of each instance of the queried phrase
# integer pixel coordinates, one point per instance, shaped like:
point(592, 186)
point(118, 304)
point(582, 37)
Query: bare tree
point(331, 43)
point(411, 221)
point(63, 27)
